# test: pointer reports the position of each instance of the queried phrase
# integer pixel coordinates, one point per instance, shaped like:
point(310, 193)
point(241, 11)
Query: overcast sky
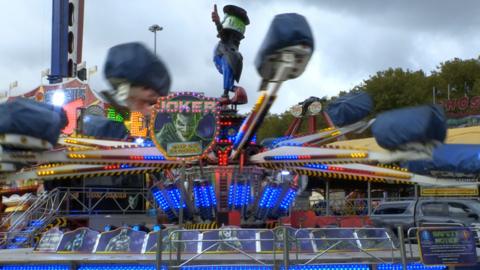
point(354, 39)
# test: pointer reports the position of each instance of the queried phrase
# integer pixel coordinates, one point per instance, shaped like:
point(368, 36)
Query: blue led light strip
point(238, 192)
point(162, 202)
point(227, 267)
point(241, 195)
point(118, 267)
point(230, 195)
point(411, 266)
point(274, 197)
point(329, 267)
point(35, 267)
point(288, 199)
point(248, 195)
point(265, 196)
point(206, 201)
point(213, 195)
point(196, 194)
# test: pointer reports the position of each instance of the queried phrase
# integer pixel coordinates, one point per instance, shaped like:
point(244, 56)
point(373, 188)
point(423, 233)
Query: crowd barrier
point(223, 240)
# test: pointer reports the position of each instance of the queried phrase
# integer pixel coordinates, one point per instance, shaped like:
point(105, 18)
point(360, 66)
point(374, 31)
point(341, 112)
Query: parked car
point(440, 211)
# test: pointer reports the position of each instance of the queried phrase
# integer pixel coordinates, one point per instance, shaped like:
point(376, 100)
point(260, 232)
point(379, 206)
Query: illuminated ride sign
point(184, 125)
point(70, 99)
point(135, 122)
point(461, 107)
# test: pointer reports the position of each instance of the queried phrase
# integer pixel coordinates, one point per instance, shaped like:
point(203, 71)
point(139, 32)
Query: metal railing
point(42, 211)
point(45, 206)
point(7, 219)
point(92, 200)
point(175, 240)
point(358, 206)
point(286, 246)
point(60, 201)
point(359, 241)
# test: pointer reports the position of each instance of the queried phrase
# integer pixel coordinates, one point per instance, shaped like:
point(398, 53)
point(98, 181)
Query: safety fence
point(231, 248)
point(286, 248)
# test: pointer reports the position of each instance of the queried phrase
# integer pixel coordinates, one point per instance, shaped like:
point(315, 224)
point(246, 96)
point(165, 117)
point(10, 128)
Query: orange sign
point(138, 125)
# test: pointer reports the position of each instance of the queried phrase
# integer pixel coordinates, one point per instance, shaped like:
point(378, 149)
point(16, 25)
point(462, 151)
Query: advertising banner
point(121, 240)
point(81, 240)
point(50, 240)
point(341, 239)
point(274, 240)
point(184, 125)
point(229, 239)
point(172, 241)
point(304, 240)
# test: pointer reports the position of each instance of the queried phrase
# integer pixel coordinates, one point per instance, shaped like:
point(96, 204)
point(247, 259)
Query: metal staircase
point(23, 227)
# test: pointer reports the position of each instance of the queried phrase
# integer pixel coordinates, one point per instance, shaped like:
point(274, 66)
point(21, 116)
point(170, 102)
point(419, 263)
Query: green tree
point(275, 125)
point(396, 88)
point(462, 75)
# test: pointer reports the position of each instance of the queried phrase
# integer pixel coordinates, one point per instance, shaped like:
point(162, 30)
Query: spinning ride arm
point(321, 137)
point(284, 55)
point(70, 171)
point(366, 172)
point(353, 164)
point(269, 90)
point(87, 157)
point(343, 163)
point(305, 155)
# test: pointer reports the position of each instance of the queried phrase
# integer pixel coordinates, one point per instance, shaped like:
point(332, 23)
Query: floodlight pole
point(154, 29)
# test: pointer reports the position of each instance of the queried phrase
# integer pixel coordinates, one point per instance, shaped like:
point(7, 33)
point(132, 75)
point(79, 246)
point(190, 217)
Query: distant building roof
point(73, 83)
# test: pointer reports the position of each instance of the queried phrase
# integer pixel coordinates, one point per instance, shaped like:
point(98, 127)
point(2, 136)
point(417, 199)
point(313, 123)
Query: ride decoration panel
point(81, 240)
point(228, 239)
point(121, 240)
point(185, 125)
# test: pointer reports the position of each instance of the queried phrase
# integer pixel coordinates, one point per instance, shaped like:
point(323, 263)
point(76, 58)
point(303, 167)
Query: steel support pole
point(403, 252)
point(286, 256)
point(180, 215)
point(159, 251)
point(369, 198)
point(155, 42)
point(327, 197)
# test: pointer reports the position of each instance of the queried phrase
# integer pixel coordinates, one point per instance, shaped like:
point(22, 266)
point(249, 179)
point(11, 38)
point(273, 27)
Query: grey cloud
point(427, 15)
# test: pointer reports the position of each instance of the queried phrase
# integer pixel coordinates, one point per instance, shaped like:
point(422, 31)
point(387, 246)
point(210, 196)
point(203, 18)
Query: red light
point(111, 167)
